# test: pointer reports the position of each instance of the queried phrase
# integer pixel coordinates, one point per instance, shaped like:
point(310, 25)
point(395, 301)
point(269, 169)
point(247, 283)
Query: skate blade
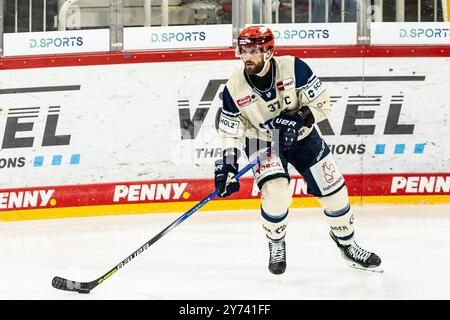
point(354, 265)
point(376, 269)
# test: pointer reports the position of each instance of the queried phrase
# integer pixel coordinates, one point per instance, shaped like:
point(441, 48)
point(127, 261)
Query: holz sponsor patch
point(228, 125)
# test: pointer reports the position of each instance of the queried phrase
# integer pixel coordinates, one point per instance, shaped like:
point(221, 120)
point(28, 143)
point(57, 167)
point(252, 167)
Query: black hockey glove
point(289, 126)
point(224, 172)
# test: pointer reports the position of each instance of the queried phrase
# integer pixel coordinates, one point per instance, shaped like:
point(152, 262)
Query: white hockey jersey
point(248, 112)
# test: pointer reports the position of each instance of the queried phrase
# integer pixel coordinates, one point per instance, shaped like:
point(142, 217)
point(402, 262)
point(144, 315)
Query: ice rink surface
point(224, 255)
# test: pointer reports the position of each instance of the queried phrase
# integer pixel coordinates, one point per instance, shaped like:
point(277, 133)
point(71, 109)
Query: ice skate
point(277, 260)
point(357, 257)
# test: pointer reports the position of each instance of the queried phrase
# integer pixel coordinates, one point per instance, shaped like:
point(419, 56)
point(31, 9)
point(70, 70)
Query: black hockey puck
point(84, 291)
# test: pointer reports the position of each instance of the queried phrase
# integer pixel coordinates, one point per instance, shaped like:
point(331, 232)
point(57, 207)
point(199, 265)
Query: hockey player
point(275, 101)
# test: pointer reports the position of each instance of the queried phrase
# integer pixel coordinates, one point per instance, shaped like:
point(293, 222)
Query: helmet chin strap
point(266, 58)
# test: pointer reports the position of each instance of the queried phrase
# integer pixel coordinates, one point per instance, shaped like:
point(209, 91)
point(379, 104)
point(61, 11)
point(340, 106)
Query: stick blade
point(68, 285)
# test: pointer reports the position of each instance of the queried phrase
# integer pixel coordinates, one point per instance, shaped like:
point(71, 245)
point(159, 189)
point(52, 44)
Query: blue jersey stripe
point(230, 114)
point(303, 74)
point(312, 78)
point(229, 107)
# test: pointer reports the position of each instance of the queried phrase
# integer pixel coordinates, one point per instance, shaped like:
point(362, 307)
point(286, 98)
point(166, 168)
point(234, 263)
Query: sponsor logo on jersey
point(228, 125)
point(269, 166)
point(286, 84)
point(246, 100)
point(314, 89)
point(326, 175)
point(333, 186)
point(328, 172)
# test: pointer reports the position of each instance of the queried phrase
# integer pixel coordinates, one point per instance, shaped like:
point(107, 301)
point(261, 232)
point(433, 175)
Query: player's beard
point(253, 68)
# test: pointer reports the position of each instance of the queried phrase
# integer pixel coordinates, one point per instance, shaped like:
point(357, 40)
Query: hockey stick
point(86, 287)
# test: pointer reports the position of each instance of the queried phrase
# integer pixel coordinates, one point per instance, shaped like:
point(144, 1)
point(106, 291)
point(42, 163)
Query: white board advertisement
point(177, 37)
point(99, 124)
point(55, 42)
point(420, 33)
point(314, 34)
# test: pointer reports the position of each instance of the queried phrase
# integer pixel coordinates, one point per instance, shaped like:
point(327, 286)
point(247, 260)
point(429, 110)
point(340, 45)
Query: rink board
point(77, 138)
point(181, 195)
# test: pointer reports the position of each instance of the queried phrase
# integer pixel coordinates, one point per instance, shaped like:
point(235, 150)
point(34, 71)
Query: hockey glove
point(289, 126)
point(224, 178)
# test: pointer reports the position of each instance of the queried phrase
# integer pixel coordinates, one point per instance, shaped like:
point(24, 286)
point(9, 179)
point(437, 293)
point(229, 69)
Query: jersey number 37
point(277, 106)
